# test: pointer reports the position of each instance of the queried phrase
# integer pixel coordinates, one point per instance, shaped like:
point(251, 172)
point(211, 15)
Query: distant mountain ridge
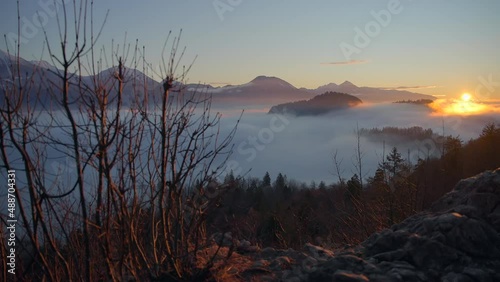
point(274, 90)
point(372, 94)
point(262, 90)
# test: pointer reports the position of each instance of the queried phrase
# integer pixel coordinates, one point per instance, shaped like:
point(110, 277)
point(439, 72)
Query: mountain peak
point(265, 78)
point(327, 87)
point(347, 83)
point(271, 81)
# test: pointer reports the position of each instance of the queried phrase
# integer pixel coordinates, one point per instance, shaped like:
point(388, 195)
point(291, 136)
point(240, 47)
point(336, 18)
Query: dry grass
point(235, 268)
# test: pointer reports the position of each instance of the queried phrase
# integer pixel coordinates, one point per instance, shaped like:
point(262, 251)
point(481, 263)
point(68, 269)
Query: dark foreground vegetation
point(113, 179)
point(456, 239)
point(282, 213)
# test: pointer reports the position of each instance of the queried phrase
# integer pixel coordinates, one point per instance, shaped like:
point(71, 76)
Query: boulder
point(458, 239)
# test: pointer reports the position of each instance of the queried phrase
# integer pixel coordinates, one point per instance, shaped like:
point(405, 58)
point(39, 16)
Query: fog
point(302, 147)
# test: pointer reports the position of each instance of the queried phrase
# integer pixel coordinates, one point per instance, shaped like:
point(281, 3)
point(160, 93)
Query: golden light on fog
point(463, 106)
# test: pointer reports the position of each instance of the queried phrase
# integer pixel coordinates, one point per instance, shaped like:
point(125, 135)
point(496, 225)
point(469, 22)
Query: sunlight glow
point(464, 106)
point(466, 97)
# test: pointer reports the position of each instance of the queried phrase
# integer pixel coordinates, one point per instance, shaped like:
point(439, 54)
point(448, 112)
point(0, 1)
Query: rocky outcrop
point(458, 239)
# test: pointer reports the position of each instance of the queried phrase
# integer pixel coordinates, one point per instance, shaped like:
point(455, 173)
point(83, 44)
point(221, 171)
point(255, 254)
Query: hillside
point(45, 76)
point(321, 104)
point(457, 239)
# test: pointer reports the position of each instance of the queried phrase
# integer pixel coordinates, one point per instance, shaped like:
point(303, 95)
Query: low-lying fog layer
point(302, 147)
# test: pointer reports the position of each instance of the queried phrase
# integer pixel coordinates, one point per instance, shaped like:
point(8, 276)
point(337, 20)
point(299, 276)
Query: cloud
point(409, 87)
point(350, 62)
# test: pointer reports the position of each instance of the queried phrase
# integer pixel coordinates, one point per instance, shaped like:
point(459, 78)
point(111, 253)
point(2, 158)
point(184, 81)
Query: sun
point(466, 97)
point(463, 106)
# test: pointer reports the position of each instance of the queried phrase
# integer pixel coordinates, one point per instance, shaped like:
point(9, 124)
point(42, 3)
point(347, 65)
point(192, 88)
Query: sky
point(432, 47)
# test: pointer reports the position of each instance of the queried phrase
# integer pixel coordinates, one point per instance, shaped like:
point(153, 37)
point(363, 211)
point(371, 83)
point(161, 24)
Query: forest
point(284, 213)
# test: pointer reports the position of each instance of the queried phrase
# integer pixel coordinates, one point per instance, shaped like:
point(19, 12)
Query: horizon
point(44, 63)
point(382, 44)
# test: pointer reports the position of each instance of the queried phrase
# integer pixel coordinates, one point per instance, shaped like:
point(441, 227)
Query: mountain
point(371, 94)
point(13, 71)
point(42, 75)
point(347, 84)
point(262, 90)
point(4, 56)
point(43, 64)
point(271, 82)
point(330, 87)
point(8, 68)
point(273, 90)
point(318, 105)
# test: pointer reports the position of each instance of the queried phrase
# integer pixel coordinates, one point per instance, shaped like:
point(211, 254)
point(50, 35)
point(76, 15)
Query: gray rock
point(457, 240)
point(318, 253)
point(260, 263)
point(456, 277)
point(268, 251)
point(245, 246)
point(343, 276)
point(281, 263)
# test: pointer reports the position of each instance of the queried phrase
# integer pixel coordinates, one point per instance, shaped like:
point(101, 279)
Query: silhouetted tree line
point(435, 177)
point(407, 133)
point(417, 102)
point(285, 213)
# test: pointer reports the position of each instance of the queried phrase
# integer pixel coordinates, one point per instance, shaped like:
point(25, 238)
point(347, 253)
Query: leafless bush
point(136, 172)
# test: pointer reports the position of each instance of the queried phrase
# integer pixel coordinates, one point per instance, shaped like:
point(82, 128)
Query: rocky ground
point(458, 239)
